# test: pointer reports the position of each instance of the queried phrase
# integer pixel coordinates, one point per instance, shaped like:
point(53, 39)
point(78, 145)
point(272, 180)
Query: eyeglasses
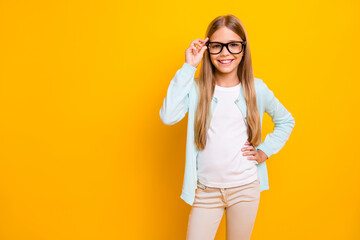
point(233, 47)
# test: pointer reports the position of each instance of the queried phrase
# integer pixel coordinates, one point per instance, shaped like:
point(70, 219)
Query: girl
point(225, 166)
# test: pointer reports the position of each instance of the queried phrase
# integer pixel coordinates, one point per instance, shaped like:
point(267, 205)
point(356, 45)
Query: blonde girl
point(225, 168)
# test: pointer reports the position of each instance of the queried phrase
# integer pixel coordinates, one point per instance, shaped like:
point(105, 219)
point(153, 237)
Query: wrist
point(191, 65)
point(262, 154)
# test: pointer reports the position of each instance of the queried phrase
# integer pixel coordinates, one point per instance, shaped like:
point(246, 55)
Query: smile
point(227, 62)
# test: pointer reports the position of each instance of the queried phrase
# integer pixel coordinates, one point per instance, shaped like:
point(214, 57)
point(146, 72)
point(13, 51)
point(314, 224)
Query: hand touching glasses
point(195, 52)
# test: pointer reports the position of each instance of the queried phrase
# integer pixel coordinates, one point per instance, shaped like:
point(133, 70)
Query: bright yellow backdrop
point(84, 155)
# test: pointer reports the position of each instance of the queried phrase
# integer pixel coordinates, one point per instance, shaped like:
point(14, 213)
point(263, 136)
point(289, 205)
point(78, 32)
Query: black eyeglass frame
point(243, 43)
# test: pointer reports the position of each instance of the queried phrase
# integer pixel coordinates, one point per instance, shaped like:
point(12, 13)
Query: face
point(225, 35)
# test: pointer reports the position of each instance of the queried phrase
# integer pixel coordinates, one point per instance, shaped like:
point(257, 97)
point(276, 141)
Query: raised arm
point(176, 102)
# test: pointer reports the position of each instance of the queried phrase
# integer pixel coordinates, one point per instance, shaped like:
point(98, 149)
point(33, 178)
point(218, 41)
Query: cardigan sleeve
point(283, 120)
point(176, 102)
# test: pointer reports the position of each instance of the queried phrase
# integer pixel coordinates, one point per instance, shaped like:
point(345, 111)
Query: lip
point(226, 64)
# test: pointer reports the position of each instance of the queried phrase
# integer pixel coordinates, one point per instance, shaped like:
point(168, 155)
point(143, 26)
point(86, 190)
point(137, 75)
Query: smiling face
point(225, 35)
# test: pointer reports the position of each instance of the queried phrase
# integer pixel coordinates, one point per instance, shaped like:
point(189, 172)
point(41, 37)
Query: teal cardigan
point(182, 97)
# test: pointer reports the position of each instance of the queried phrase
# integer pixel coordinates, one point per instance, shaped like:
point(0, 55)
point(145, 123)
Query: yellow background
point(84, 154)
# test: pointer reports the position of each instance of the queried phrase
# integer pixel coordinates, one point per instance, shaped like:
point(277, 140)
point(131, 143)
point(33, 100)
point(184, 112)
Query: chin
point(225, 70)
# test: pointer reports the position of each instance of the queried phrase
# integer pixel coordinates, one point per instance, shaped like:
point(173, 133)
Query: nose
point(224, 51)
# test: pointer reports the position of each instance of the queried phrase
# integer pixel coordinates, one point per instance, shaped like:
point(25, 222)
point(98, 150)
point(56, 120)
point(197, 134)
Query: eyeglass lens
point(233, 47)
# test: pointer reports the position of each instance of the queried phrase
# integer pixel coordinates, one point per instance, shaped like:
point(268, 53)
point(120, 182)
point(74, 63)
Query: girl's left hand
point(257, 155)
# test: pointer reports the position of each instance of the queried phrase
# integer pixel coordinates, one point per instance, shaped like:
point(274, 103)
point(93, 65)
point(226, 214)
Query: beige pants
point(241, 204)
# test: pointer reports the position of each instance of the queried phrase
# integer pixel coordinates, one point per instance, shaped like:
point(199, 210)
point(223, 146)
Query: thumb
point(203, 49)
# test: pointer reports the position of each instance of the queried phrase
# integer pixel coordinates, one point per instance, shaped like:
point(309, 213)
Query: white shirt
point(221, 164)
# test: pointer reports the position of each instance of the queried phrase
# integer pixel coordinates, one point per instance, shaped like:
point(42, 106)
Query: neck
point(226, 79)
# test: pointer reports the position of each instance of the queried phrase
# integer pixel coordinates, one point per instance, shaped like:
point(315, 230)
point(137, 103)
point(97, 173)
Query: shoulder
point(260, 86)
point(263, 93)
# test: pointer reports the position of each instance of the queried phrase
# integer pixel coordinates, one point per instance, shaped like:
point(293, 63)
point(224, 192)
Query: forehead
point(224, 34)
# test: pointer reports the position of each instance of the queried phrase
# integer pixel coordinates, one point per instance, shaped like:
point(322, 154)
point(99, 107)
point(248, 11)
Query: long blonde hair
point(206, 84)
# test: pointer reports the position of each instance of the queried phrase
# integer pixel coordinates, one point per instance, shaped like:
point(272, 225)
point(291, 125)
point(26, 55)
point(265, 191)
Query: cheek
point(213, 60)
point(238, 61)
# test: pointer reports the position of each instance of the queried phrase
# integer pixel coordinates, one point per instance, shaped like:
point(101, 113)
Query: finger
point(202, 41)
point(198, 41)
point(195, 42)
point(194, 50)
point(203, 49)
point(248, 148)
point(254, 159)
point(250, 152)
point(200, 49)
point(251, 158)
point(205, 40)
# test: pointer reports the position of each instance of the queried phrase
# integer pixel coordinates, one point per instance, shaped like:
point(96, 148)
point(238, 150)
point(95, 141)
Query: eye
point(215, 45)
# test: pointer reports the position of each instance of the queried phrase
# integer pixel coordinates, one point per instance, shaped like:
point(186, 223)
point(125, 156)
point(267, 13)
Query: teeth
point(226, 61)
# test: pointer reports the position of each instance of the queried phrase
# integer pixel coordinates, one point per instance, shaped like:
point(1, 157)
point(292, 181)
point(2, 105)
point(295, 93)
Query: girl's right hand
point(193, 55)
